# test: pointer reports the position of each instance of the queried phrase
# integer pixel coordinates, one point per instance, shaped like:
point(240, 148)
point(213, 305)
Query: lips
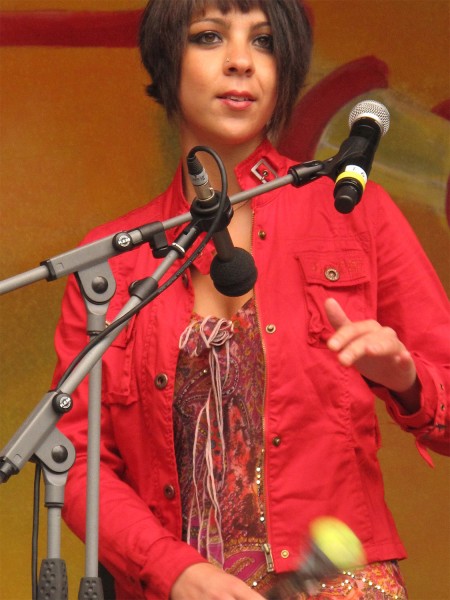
point(237, 100)
point(237, 96)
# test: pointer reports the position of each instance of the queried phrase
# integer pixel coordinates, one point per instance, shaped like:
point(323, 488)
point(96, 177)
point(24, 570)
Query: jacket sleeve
point(411, 300)
point(144, 557)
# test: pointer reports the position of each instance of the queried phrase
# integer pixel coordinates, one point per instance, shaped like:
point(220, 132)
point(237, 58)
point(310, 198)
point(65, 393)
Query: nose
point(239, 59)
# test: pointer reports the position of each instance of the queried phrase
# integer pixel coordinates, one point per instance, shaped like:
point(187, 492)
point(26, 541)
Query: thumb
point(335, 313)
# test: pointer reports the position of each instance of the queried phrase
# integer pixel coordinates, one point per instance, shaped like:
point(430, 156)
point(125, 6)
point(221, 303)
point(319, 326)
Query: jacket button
point(332, 274)
point(169, 491)
point(276, 441)
point(285, 554)
point(271, 328)
point(262, 234)
point(161, 380)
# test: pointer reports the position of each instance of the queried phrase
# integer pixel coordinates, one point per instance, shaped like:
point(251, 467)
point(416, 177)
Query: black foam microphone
point(333, 548)
point(233, 269)
point(368, 122)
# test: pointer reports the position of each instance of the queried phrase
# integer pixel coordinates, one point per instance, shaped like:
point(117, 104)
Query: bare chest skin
point(208, 301)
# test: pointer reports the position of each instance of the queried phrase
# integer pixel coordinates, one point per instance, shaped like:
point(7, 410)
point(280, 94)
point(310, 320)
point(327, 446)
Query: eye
point(265, 42)
point(205, 38)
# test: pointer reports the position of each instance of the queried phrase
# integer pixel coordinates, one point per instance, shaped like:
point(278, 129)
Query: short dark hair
point(163, 36)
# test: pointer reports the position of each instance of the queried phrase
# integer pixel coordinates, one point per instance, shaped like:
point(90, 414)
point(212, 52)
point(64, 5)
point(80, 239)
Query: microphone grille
point(372, 109)
point(337, 542)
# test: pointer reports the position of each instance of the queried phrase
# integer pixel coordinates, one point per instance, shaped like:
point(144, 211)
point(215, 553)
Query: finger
point(353, 332)
point(335, 313)
point(381, 343)
point(384, 342)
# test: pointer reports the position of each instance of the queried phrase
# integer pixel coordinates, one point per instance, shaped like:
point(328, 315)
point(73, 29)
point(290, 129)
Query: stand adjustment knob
point(62, 403)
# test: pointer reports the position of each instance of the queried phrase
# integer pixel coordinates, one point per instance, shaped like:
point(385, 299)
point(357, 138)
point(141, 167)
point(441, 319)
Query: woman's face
point(228, 79)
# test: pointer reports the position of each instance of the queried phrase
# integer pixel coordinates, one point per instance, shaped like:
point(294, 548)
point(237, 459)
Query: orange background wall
point(81, 144)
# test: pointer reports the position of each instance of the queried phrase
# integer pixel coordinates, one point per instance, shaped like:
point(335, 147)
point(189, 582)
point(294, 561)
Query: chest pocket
point(342, 273)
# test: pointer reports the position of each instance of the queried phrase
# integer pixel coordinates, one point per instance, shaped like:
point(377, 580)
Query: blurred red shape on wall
point(317, 107)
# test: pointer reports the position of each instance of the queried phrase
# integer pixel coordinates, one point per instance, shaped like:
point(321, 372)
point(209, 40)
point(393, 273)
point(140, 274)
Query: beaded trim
point(349, 584)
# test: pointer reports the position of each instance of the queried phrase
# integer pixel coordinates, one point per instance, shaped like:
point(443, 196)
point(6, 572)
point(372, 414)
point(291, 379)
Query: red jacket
point(321, 432)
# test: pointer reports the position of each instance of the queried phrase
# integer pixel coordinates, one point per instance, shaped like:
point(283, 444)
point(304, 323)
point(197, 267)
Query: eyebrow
point(224, 22)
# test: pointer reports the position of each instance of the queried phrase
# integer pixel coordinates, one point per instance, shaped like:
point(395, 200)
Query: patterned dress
point(219, 442)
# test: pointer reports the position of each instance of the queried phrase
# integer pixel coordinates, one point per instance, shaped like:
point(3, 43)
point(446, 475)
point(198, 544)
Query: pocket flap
point(334, 268)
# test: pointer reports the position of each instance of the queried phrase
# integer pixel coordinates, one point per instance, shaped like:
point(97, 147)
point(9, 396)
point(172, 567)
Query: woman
point(230, 423)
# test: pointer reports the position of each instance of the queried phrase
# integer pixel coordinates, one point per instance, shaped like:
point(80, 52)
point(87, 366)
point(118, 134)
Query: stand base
point(53, 580)
point(90, 588)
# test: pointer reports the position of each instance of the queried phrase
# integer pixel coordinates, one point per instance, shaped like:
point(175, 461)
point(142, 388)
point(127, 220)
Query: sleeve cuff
point(433, 404)
point(430, 424)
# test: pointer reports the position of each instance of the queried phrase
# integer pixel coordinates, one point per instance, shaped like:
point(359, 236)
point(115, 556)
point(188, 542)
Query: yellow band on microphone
point(352, 175)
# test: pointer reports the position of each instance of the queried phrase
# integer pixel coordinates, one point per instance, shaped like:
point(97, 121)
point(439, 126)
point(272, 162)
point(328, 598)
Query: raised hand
point(376, 352)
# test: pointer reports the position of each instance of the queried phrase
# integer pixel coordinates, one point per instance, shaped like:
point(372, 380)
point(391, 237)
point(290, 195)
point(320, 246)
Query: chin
point(237, 137)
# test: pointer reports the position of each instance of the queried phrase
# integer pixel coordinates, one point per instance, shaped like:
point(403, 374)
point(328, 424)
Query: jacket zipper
point(266, 547)
point(269, 558)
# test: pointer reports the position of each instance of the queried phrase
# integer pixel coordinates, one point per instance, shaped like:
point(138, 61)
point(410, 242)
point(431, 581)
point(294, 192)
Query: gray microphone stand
point(38, 439)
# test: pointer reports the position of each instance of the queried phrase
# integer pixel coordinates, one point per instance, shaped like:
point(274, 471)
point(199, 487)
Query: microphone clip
point(204, 212)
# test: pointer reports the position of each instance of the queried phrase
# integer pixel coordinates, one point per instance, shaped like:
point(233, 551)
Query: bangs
point(225, 6)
